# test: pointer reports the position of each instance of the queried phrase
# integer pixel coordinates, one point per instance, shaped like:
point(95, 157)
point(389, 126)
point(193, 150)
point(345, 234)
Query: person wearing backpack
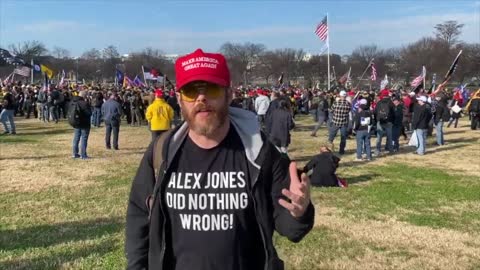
point(79, 119)
point(473, 108)
point(362, 123)
point(384, 117)
point(441, 115)
point(112, 113)
point(211, 193)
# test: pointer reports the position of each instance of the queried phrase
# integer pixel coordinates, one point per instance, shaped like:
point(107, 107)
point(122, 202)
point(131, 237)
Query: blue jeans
point(363, 142)
point(54, 112)
point(396, 130)
point(96, 116)
point(116, 130)
point(80, 133)
point(383, 129)
point(7, 115)
point(332, 133)
point(422, 140)
point(439, 133)
point(46, 113)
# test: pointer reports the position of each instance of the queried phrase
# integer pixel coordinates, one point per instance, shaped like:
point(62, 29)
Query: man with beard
point(221, 189)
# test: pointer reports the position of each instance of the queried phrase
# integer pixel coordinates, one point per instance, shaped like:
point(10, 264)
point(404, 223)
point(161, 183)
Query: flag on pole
point(322, 29)
point(127, 81)
point(137, 82)
point(418, 80)
point(7, 79)
point(11, 58)
point(62, 79)
point(452, 67)
point(345, 78)
point(152, 74)
point(119, 76)
point(22, 71)
point(384, 83)
point(373, 77)
point(280, 79)
point(47, 71)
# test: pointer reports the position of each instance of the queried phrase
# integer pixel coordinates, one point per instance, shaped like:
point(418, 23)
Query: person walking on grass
point(397, 123)
point(279, 124)
point(421, 117)
point(441, 115)
point(362, 123)
point(79, 118)
point(214, 180)
point(112, 112)
point(159, 115)
point(339, 121)
point(8, 109)
point(384, 118)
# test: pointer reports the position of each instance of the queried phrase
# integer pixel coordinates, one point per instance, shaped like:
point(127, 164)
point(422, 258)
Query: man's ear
point(179, 99)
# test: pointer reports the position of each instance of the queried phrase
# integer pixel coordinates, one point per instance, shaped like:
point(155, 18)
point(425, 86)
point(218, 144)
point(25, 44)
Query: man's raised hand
point(298, 192)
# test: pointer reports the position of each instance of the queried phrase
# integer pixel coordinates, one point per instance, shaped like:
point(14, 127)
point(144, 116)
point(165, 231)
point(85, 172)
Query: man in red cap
point(384, 117)
point(222, 189)
point(159, 115)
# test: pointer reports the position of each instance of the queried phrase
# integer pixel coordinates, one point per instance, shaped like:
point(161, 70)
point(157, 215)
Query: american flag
point(22, 71)
point(322, 29)
point(418, 80)
point(373, 77)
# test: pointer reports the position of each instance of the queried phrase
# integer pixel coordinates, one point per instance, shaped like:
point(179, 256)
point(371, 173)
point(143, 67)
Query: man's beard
point(211, 124)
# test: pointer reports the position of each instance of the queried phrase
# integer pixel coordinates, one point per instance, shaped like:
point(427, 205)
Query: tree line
point(253, 63)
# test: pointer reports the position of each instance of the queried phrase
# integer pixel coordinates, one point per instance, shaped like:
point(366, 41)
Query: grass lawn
point(399, 212)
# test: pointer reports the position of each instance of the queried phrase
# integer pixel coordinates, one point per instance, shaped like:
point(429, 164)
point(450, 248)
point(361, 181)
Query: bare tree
point(449, 31)
point(242, 59)
point(60, 53)
point(28, 49)
point(92, 54)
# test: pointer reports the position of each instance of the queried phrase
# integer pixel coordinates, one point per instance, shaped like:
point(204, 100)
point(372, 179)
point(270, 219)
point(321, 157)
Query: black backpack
point(383, 112)
point(475, 106)
point(75, 115)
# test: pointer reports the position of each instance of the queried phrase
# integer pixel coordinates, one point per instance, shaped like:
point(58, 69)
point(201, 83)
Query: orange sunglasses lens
point(191, 91)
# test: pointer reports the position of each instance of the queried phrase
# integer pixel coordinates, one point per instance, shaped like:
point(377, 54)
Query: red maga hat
point(158, 93)
point(201, 66)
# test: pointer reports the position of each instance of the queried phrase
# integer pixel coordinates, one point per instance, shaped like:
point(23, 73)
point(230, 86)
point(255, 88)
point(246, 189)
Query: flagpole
point(31, 72)
point(424, 79)
point(328, 52)
point(145, 79)
point(369, 64)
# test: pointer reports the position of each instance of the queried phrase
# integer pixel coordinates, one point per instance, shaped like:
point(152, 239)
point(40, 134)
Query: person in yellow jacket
point(159, 115)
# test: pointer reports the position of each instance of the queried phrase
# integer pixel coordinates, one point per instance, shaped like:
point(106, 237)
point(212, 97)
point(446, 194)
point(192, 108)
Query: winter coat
point(261, 104)
point(279, 125)
point(159, 114)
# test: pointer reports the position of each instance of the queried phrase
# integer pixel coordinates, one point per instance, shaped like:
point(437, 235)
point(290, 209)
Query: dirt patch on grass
point(424, 247)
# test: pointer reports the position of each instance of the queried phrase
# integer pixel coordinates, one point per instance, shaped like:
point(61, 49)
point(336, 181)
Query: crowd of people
point(229, 146)
point(364, 114)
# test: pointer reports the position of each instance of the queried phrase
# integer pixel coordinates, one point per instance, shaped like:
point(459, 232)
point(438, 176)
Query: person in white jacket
point(261, 105)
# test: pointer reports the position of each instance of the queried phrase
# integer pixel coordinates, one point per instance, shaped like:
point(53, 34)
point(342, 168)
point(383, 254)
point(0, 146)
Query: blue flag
point(138, 82)
point(119, 76)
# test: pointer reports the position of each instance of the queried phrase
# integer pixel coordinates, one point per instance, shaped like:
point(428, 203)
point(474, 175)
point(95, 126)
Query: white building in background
point(307, 57)
point(171, 57)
